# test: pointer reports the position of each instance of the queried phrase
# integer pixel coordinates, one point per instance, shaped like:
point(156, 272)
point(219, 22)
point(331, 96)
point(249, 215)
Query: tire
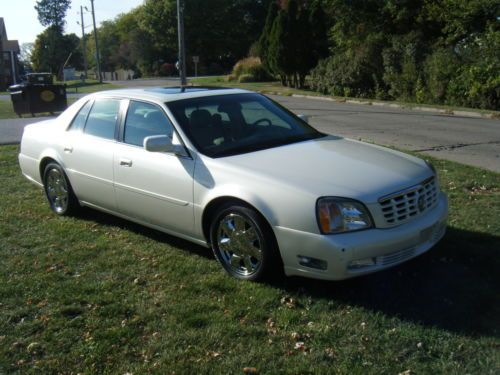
point(58, 191)
point(244, 244)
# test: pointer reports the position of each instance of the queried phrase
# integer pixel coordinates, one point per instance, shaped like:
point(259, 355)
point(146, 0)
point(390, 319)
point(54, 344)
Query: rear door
point(89, 149)
point(153, 187)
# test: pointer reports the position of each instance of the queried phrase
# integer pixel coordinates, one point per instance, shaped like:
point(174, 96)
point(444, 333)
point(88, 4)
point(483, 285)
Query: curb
point(400, 106)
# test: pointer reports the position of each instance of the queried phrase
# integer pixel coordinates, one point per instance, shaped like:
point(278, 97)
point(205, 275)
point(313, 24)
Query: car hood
point(333, 166)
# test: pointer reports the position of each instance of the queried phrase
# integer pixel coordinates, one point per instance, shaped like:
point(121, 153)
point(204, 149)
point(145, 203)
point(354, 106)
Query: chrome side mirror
point(163, 143)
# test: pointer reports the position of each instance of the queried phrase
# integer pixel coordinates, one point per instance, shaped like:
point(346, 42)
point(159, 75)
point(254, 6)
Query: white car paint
point(170, 193)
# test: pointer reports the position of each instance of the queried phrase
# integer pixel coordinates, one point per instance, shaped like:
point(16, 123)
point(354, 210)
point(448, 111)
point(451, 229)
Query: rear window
point(101, 121)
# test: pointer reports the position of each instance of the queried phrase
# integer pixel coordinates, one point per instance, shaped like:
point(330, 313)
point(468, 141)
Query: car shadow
point(105, 219)
point(454, 286)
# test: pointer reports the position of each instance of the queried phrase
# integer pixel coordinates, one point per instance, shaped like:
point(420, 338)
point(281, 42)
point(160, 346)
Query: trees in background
point(293, 40)
point(441, 51)
point(51, 48)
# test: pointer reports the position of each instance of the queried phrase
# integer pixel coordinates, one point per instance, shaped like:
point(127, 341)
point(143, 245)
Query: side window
point(144, 120)
point(102, 118)
point(79, 120)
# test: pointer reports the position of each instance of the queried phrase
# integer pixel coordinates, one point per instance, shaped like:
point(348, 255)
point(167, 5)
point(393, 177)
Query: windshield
point(233, 124)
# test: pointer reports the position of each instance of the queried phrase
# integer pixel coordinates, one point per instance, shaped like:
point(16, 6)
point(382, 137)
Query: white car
point(232, 170)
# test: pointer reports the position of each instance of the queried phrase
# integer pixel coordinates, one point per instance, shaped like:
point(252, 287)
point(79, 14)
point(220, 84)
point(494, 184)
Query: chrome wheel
point(57, 190)
point(240, 244)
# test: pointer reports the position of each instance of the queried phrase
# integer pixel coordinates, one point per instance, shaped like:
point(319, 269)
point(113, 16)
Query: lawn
point(89, 86)
point(96, 294)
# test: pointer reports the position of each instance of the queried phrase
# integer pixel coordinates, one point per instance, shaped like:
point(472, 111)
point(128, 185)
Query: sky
point(21, 19)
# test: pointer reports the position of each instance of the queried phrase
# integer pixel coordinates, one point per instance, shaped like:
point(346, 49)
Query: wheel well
point(214, 205)
point(43, 164)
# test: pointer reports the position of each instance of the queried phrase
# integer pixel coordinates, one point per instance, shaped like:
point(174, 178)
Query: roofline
point(147, 93)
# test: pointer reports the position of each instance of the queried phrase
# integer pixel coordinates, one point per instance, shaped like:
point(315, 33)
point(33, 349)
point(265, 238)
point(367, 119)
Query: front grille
point(398, 256)
point(400, 207)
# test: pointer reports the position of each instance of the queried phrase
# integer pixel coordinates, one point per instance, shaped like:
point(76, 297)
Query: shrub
point(246, 78)
point(250, 66)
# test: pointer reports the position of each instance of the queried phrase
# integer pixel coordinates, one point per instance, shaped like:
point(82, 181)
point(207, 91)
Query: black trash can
point(38, 94)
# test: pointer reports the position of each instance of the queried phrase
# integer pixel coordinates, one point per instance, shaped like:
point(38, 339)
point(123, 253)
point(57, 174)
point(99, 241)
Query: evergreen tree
point(265, 38)
point(277, 52)
point(318, 30)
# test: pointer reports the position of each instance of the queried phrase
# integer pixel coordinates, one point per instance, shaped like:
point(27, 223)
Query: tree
point(25, 56)
point(52, 12)
point(52, 49)
point(265, 38)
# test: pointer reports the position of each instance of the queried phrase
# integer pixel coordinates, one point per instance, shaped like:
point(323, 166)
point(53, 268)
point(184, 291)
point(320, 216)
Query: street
point(466, 140)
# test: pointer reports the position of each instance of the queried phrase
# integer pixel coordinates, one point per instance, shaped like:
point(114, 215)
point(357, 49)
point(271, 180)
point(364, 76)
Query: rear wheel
point(244, 244)
point(58, 190)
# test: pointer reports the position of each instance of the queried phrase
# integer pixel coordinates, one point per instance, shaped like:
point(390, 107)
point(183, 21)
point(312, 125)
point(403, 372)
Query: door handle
point(126, 162)
point(68, 149)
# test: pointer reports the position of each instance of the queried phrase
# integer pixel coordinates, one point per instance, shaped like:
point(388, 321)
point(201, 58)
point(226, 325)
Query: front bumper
point(383, 247)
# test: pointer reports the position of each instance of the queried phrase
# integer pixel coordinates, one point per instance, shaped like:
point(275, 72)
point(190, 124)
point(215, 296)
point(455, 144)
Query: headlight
point(337, 215)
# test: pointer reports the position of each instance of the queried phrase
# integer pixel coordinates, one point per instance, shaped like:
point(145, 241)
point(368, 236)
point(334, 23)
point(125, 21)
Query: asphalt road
point(466, 140)
point(472, 141)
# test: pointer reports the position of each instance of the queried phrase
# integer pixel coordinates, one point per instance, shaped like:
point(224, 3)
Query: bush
point(251, 66)
point(246, 78)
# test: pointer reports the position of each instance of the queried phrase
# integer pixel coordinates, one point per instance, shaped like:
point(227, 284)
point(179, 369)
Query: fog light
point(361, 263)
point(312, 262)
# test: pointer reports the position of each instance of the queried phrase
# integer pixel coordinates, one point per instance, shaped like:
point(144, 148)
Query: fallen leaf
point(249, 370)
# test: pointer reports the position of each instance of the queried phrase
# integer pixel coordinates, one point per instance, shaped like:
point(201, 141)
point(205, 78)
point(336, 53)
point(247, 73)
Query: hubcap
point(57, 190)
point(239, 244)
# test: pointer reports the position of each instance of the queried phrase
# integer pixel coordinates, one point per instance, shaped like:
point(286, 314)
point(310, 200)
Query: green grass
point(96, 294)
point(7, 110)
point(275, 87)
point(90, 85)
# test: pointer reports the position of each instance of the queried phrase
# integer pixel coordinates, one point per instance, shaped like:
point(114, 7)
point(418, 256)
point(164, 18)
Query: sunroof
point(180, 90)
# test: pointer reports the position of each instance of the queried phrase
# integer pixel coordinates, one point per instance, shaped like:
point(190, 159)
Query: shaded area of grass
point(275, 87)
point(97, 294)
point(7, 110)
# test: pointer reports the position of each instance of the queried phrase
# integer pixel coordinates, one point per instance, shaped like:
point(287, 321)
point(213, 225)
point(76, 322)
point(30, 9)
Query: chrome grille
point(400, 207)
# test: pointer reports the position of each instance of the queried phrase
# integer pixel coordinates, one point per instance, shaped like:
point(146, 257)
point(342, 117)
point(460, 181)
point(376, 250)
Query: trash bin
point(38, 94)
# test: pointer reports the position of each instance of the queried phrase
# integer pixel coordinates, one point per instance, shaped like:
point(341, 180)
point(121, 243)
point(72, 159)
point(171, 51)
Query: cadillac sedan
point(232, 170)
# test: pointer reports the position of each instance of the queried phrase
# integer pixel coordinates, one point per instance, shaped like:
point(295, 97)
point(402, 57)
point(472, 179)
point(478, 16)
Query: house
point(9, 61)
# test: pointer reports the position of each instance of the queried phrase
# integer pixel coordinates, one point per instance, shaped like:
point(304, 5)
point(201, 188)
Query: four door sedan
point(232, 170)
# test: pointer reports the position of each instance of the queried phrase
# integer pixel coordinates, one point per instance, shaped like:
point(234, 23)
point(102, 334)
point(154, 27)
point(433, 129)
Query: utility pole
point(96, 44)
point(182, 47)
point(84, 48)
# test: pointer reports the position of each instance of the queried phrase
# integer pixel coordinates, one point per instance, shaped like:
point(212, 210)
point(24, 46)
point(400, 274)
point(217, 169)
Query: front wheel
point(58, 190)
point(243, 243)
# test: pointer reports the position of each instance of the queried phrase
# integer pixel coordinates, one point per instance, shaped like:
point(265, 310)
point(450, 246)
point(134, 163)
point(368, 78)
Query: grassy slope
point(96, 294)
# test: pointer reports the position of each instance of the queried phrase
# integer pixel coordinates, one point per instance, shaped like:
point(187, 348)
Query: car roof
point(169, 94)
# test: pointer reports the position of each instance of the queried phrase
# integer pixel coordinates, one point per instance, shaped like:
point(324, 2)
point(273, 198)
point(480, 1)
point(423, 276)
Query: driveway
point(466, 140)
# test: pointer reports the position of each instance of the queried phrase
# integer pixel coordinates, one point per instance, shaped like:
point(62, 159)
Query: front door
point(153, 187)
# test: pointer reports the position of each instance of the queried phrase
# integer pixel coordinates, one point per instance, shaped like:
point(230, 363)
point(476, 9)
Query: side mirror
point(303, 117)
point(163, 143)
